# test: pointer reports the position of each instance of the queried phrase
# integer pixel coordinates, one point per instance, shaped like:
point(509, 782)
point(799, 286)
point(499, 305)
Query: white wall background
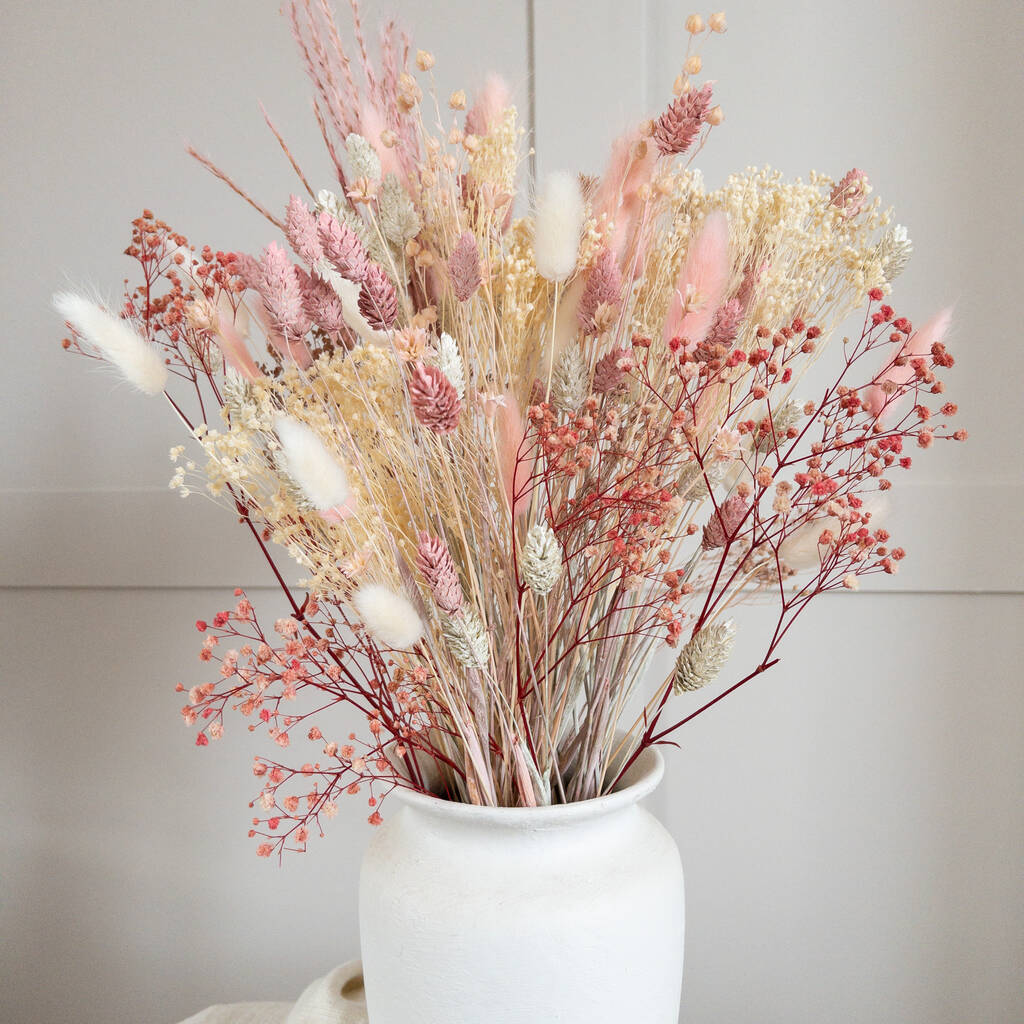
point(851, 826)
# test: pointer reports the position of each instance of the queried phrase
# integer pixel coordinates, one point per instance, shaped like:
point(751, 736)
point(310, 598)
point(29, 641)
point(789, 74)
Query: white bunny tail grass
point(558, 224)
point(390, 618)
point(139, 362)
point(311, 466)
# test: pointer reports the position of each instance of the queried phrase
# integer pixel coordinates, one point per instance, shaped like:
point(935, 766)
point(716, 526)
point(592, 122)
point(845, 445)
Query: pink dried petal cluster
point(751, 278)
point(248, 269)
point(676, 129)
point(378, 301)
point(724, 523)
point(603, 288)
point(323, 306)
point(850, 194)
point(342, 247)
point(464, 266)
point(281, 289)
point(433, 398)
point(301, 228)
point(610, 371)
point(722, 332)
point(434, 562)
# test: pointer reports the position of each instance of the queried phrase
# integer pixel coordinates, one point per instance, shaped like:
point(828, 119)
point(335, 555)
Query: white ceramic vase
point(572, 913)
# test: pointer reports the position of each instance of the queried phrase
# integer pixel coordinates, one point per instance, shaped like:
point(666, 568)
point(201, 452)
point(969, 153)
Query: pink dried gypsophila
point(676, 129)
point(603, 288)
point(435, 564)
point(434, 400)
point(301, 228)
point(850, 194)
point(610, 371)
point(378, 301)
point(282, 293)
point(342, 248)
point(464, 266)
point(724, 522)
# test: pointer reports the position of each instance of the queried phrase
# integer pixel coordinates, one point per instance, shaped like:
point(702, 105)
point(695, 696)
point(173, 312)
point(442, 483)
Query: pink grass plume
point(877, 395)
point(702, 282)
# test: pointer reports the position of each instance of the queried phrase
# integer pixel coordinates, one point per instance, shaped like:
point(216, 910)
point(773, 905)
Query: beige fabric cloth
point(337, 998)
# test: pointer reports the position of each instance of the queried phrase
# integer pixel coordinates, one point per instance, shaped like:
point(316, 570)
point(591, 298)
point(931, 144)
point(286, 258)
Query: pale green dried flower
point(570, 382)
point(782, 419)
point(703, 657)
point(362, 157)
point(466, 637)
point(399, 220)
point(893, 252)
point(542, 559)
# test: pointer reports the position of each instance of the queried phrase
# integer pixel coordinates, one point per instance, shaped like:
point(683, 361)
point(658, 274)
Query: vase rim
point(639, 781)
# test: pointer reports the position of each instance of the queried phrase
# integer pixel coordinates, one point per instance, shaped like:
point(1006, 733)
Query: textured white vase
point(574, 913)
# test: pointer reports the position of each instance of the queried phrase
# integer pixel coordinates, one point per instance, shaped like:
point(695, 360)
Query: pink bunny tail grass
point(488, 105)
point(703, 279)
point(301, 228)
point(878, 395)
point(435, 564)
point(434, 400)
point(371, 127)
point(630, 166)
point(515, 465)
point(464, 266)
point(342, 248)
point(339, 513)
point(236, 352)
point(378, 301)
point(601, 294)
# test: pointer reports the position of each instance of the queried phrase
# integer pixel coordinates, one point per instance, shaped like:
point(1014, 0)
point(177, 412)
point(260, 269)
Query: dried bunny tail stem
point(701, 283)
point(311, 466)
point(488, 106)
point(894, 376)
point(237, 189)
point(138, 360)
point(390, 618)
point(558, 225)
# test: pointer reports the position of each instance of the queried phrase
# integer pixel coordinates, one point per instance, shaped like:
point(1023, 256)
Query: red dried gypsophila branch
point(286, 682)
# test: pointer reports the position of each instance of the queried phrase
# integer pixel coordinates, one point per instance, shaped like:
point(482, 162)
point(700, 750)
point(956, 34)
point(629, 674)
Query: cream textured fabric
point(336, 998)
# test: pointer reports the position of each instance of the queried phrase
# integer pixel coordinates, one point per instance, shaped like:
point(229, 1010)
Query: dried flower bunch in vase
point(513, 456)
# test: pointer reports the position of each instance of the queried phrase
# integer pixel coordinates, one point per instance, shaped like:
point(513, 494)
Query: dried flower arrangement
point(513, 456)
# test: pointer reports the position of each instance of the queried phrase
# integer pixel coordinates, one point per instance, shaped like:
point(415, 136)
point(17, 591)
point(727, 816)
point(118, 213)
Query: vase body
point(573, 913)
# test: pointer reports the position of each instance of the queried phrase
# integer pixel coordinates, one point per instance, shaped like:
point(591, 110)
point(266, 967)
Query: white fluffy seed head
point(390, 618)
point(313, 468)
point(800, 549)
point(558, 224)
point(139, 362)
